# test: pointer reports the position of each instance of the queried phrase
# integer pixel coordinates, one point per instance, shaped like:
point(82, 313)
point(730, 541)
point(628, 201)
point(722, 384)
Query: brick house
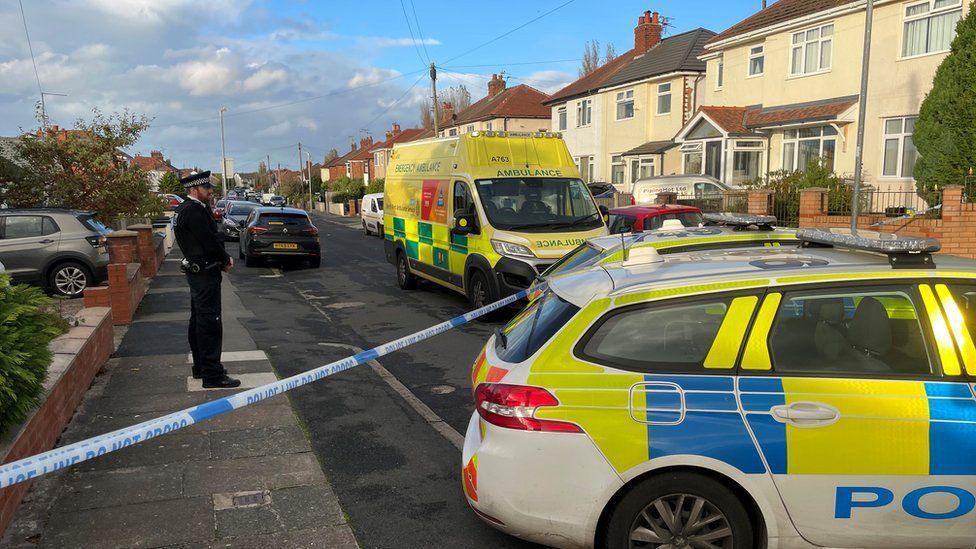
point(520, 108)
point(155, 165)
point(381, 151)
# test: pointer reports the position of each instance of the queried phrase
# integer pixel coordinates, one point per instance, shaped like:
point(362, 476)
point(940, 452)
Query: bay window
point(899, 148)
point(625, 105)
point(803, 145)
point(930, 26)
point(812, 50)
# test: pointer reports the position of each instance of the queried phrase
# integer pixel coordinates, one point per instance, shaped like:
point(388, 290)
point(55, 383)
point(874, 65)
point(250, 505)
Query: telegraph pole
point(301, 171)
point(223, 154)
point(862, 113)
point(433, 88)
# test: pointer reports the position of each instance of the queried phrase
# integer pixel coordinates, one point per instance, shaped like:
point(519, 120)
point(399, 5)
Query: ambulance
point(820, 396)
point(484, 213)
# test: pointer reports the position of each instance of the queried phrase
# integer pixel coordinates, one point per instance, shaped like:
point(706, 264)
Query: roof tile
point(778, 12)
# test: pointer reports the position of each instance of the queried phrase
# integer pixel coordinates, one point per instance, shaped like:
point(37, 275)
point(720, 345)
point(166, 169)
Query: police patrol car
point(813, 396)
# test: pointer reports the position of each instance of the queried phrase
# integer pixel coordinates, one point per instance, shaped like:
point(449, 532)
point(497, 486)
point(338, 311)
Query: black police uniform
point(203, 247)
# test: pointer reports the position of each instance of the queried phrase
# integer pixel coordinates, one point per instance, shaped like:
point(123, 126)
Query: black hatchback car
point(280, 233)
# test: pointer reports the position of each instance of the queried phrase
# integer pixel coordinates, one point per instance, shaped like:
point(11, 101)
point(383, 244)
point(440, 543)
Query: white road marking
point(418, 405)
point(235, 356)
point(275, 273)
point(347, 305)
point(248, 381)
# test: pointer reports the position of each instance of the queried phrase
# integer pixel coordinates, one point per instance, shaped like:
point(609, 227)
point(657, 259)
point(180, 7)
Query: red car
point(171, 201)
point(218, 210)
point(634, 219)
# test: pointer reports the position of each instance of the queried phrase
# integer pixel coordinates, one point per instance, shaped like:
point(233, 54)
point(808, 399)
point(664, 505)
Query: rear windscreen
point(241, 209)
point(286, 219)
point(533, 327)
point(93, 224)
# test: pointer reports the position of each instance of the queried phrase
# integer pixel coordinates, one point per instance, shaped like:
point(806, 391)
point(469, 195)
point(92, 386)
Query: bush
point(26, 328)
point(375, 186)
point(345, 189)
point(786, 186)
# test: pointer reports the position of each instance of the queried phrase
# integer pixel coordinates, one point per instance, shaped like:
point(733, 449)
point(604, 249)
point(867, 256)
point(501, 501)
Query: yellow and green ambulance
point(485, 212)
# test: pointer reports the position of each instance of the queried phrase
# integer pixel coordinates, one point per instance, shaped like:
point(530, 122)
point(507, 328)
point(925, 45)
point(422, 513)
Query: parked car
point(62, 250)
point(218, 208)
point(687, 187)
point(635, 219)
point(372, 214)
point(601, 190)
point(266, 199)
point(235, 216)
point(277, 201)
point(280, 233)
point(171, 201)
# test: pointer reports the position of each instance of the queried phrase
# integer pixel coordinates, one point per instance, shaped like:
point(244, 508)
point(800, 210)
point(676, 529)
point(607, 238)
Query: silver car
point(62, 250)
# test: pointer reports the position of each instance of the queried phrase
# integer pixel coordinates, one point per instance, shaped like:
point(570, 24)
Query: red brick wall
point(145, 249)
point(93, 340)
point(956, 229)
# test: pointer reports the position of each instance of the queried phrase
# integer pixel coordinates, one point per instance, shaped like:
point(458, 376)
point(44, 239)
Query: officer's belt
point(190, 266)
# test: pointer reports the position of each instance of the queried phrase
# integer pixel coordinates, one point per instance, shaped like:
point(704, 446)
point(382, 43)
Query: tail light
point(514, 407)
point(311, 231)
point(257, 230)
point(96, 241)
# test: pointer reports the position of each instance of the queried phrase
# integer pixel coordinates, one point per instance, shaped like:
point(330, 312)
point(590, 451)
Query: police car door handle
point(805, 414)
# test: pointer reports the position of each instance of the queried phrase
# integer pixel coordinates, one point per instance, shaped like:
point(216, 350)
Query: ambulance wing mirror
point(464, 223)
point(604, 212)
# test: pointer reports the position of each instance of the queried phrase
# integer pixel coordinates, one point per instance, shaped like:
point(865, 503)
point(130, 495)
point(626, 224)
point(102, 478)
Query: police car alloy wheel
point(70, 279)
point(679, 510)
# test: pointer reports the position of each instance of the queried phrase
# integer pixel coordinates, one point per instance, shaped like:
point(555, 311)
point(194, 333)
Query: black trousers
point(206, 331)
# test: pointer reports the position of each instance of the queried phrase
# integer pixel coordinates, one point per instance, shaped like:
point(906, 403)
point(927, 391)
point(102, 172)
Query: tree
point(945, 134)
point(591, 57)
point(458, 96)
point(170, 184)
point(83, 169)
point(609, 54)
point(330, 156)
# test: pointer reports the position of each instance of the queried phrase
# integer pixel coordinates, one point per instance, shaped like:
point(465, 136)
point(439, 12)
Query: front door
point(850, 416)
point(27, 243)
point(713, 159)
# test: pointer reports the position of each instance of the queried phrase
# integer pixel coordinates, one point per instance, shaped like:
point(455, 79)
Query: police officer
point(204, 259)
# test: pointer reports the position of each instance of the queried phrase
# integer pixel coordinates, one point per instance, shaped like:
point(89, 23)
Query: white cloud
point(263, 78)
point(370, 76)
point(548, 81)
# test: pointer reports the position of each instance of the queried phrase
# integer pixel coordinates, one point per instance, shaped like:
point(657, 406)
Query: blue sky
point(179, 61)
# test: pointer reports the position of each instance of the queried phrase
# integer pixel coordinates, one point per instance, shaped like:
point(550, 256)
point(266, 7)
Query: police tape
point(66, 456)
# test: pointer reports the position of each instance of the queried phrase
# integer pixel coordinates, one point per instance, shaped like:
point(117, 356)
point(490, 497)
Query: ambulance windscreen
point(542, 204)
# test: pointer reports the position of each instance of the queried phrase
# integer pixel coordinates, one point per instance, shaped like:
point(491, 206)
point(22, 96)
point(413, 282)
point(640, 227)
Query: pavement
point(244, 479)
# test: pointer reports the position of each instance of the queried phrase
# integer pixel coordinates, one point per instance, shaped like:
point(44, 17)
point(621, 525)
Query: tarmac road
point(394, 466)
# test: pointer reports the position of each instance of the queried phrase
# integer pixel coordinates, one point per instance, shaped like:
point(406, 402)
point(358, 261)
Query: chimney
point(366, 142)
point(496, 85)
point(389, 135)
point(156, 154)
point(447, 112)
point(352, 146)
point(396, 129)
point(647, 33)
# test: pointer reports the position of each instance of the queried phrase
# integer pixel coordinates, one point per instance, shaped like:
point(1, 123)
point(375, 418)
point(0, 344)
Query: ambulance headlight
point(511, 249)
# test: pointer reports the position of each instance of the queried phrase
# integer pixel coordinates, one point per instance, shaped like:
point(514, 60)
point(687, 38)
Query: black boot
point(224, 382)
point(197, 374)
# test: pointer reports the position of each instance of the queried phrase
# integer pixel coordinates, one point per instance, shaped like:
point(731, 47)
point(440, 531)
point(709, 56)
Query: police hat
point(201, 179)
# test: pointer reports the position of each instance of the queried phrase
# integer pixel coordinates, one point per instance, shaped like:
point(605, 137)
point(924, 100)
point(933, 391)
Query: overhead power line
point(516, 64)
point(504, 34)
point(395, 103)
point(420, 32)
point(413, 38)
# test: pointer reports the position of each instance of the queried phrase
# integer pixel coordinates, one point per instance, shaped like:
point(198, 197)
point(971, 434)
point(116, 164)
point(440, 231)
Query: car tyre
point(69, 279)
point(405, 279)
point(661, 508)
point(366, 229)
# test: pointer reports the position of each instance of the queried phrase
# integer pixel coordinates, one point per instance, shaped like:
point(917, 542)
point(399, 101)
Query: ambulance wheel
point(405, 279)
point(679, 510)
point(480, 291)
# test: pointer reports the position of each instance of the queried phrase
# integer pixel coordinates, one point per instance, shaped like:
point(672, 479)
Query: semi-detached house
point(517, 109)
point(619, 120)
point(782, 89)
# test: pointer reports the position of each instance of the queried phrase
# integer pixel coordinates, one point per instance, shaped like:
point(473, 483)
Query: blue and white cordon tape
point(66, 456)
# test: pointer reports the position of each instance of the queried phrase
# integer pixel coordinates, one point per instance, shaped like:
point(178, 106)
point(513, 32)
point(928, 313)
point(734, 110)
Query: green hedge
point(26, 327)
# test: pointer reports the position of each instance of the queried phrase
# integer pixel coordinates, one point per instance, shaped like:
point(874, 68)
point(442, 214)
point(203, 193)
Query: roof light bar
point(740, 220)
point(901, 251)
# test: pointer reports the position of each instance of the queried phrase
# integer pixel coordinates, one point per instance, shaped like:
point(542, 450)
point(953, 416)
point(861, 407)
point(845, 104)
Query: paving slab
point(93, 489)
point(258, 442)
point(253, 473)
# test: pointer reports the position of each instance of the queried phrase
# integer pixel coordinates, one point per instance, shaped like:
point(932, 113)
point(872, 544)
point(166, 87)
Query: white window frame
point(796, 145)
point(692, 147)
point(931, 13)
point(584, 109)
point(753, 55)
point(638, 163)
point(488, 126)
point(805, 43)
point(618, 160)
point(452, 132)
point(661, 94)
point(900, 137)
point(562, 119)
point(720, 73)
point(622, 98)
point(470, 128)
point(747, 146)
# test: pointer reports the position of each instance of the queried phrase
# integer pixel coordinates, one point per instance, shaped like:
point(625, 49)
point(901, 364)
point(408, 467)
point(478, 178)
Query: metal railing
point(885, 203)
point(732, 201)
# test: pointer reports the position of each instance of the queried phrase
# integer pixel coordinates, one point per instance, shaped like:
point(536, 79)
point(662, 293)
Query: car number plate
point(285, 246)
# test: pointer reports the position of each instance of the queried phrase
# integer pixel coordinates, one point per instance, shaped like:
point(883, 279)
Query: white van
point(372, 214)
point(645, 191)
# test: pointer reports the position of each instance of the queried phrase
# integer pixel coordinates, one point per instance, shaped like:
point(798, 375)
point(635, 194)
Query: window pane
point(908, 156)
point(942, 30)
point(693, 163)
point(917, 9)
point(946, 3)
point(812, 58)
point(813, 34)
point(825, 53)
point(789, 157)
point(849, 332)
point(796, 66)
point(798, 38)
point(827, 30)
point(745, 166)
point(829, 130)
point(789, 134)
point(620, 96)
point(756, 50)
point(664, 104)
point(829, 152)
point(664, 88)
point(617, 174)
point(756, 65)
point(24, 227)
point(658, 338)
point(893, 126)
point(890, 157)
point(910, 124)
point(48, 226)
point(915, 37)
point(809, 150)
point(810, 132)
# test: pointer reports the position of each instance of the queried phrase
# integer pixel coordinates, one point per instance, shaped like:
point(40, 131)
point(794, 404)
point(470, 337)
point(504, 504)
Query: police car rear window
point(533, 327)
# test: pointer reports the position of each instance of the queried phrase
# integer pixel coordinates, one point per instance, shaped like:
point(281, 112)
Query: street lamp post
point(308, 167)
point(223, 153)
point(862, 113)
